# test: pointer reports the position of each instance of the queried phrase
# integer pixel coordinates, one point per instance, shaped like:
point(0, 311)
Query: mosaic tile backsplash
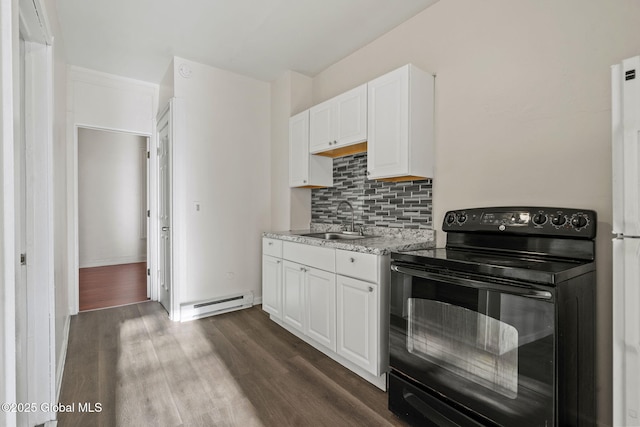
point(375, 203)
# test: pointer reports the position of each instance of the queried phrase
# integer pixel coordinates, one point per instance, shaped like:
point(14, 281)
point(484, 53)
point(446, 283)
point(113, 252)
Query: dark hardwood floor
point(234, 369)
point(112, 285)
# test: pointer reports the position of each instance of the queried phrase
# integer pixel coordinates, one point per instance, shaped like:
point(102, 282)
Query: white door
point(320, 290)
point(299, 149)
point(357, 322)
point(626, 332)
point(293, 276)
point(35, 303)
point(272, 286)
point(388, 130)
point(320, 127)
point(164, 210)
point(350, 123)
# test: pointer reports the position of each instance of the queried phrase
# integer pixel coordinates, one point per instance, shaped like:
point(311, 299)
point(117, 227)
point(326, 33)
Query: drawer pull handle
point(352, 259)
point(278, 262)
point(270, 243)
point(370, 288)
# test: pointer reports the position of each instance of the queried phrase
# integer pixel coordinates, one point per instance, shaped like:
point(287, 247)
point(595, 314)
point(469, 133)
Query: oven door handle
point(470, 283)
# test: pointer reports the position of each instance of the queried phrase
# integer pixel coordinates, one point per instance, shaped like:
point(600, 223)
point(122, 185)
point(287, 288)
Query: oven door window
point(472, 345)
point(488, 350)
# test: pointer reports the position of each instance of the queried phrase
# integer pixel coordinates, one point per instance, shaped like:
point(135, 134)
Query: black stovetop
point(532, 244)
point(550, 271)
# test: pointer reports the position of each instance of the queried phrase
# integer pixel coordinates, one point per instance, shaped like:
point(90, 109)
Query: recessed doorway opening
point(112, 218)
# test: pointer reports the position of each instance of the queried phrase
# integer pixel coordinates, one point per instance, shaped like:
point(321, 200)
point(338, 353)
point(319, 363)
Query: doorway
point(112, 218)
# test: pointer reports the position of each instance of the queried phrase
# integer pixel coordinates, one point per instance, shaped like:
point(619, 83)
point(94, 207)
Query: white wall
point(111, 198)
point(8, 61)
point(223, 162)
point(522, 110)
point(166, 91)
point(104, 101)
point(290, 207)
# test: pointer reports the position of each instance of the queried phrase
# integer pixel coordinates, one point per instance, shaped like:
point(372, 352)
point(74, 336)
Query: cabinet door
point(388, 125)
point(272, 286)
point(350, 117)
point(320, 131)
point(299, 149)
point(320, 290)
point(293, 306)
point(357, 322)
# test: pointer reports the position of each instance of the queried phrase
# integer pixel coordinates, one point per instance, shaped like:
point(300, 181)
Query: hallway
point(112, 285)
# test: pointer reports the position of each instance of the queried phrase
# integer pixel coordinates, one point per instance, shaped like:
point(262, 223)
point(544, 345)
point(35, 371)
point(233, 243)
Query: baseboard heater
point(197, 310)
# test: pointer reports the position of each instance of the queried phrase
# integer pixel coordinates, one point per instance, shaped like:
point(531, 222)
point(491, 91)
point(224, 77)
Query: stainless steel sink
point(334, 236)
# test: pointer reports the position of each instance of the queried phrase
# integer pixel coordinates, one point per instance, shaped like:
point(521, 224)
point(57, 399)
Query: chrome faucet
point(353, 230)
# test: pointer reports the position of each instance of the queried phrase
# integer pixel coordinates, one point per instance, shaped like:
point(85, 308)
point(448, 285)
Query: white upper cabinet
point(306, 170)
point(400, 125)
point(339, 122)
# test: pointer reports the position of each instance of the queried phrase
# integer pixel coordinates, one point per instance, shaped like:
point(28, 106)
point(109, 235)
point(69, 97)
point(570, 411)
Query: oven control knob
point(451, 218)
point(559, 220)
point(579, 221)
point(462, 218)
point(539, 219)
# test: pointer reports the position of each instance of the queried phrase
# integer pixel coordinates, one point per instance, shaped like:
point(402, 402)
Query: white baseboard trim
point(113, 261)
point(62, 357)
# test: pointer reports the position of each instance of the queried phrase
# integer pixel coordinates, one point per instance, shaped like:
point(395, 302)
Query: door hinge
point(148, 154)
point(148, 272)
point(148, 214)
point(23, 259)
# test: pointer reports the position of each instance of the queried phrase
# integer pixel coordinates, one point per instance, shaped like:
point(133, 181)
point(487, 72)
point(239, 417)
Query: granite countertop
point(371, 244)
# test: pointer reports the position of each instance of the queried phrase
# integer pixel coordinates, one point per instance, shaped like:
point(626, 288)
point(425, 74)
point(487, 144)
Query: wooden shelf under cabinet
point(345, 151)
point(402, 178)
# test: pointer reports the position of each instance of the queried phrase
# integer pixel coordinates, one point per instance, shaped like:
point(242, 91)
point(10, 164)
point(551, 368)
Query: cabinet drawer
point(358, 265)
point(313, 256)
point(272, 247)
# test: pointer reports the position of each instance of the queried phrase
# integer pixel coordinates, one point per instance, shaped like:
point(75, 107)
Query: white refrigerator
point(626, 243)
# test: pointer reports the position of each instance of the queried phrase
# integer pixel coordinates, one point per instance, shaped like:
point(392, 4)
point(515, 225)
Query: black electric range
point(497, 328)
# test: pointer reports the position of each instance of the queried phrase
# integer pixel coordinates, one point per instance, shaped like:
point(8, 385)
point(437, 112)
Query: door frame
point(8, 32)
point(34, 345)
point(74, 296)
point(174, 110)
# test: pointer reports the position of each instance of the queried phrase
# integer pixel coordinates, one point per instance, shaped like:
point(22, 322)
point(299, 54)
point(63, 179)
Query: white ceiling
point(257, 38)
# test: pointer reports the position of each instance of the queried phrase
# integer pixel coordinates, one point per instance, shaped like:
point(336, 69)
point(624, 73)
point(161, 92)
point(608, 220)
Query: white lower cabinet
point(293, 305)
point(357, 322)
point(333, 299)
point(309, 296)
point(320, 287)
point(272, 285)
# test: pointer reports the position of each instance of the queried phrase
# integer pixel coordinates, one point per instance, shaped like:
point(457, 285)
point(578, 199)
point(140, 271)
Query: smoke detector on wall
point(185, 71)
